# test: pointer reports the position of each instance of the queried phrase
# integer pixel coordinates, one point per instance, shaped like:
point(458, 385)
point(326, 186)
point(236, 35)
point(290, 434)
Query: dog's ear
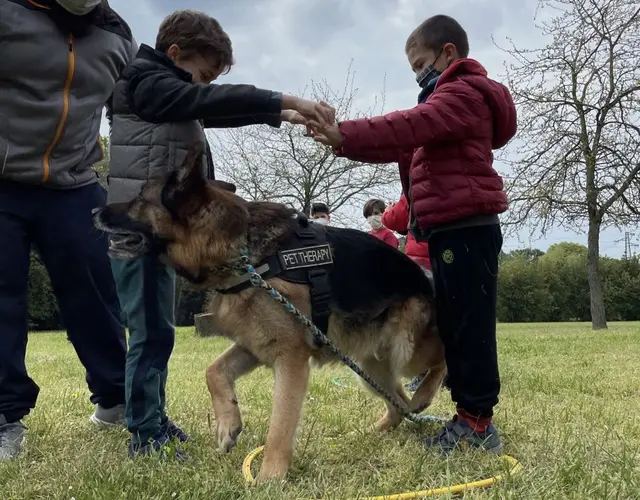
point(190, 175)
point(185, 191)
point(226, 186)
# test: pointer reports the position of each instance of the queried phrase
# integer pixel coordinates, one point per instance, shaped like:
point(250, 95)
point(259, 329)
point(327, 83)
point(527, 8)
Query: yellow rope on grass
point(456, 488)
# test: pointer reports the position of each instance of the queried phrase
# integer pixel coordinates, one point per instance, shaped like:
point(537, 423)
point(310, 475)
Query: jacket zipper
point(65, 112)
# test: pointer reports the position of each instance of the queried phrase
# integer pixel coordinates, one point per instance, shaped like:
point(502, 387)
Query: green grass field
point(569, 412)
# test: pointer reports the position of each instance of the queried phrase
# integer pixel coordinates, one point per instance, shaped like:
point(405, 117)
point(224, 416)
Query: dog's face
point(184, 218)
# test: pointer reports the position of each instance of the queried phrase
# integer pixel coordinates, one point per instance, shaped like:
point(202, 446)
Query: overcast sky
point(284, 44)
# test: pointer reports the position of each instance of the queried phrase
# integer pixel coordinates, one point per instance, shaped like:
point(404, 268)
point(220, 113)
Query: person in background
point(396, 218)
point(320, 213)
point(372, 211)
point(60, 62)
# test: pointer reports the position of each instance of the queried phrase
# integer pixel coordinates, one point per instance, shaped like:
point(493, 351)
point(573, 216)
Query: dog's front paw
point(227, 431)
point(388, 421)
point(272, 472)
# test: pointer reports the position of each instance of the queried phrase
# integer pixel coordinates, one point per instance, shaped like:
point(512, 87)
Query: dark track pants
point(465, 270)
point(146, 288)
point(59, 224)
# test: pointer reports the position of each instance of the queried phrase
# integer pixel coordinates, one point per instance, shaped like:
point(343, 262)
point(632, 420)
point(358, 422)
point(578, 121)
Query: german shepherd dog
point(381, 309)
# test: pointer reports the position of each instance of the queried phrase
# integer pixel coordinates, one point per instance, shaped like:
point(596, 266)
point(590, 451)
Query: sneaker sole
point(103, 423)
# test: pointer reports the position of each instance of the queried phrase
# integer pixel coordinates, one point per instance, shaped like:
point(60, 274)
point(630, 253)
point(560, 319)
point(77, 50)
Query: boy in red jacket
point(454, 197)
point(372, 211)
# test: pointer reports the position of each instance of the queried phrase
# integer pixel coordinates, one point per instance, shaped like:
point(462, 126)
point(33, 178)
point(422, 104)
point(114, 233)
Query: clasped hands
point(318, 117)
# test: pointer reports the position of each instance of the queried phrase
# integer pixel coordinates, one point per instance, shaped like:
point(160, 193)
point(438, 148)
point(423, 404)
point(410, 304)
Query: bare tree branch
point(282, 165)
point(579, 105)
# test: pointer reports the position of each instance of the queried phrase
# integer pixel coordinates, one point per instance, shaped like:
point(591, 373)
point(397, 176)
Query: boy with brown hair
point(372, 211)
point(160, 108)
point(455, 197)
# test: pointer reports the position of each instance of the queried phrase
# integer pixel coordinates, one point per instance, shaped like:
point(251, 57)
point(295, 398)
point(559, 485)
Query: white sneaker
point(12, 439)
point(108, 417)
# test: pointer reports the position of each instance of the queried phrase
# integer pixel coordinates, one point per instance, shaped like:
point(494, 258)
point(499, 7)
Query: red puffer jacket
point(444, 145)
point(397, 219)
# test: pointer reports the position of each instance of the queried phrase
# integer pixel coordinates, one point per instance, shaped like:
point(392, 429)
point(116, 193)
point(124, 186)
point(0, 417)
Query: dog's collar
point(234, 284)
point(237, 284)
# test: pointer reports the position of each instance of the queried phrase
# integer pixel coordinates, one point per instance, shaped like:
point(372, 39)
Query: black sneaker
point(458, 434)
point(160, 445)
point(173, 431)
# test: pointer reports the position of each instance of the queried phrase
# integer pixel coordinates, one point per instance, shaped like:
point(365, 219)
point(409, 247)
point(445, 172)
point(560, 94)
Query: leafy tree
point(522, 291)
point(564, 267)
point(102, 167)
point(621, 285)
point(528, 254)
point(43, 307)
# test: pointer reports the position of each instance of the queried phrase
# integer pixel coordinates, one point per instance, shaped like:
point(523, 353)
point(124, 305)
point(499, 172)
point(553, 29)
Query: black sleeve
point(159, 97)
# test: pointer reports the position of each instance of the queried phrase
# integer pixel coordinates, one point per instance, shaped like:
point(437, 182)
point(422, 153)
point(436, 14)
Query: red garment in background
point(397, 219)
point(385, 235)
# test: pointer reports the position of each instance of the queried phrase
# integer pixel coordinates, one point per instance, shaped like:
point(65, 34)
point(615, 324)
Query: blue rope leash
point(422, 418)
point(257, 281)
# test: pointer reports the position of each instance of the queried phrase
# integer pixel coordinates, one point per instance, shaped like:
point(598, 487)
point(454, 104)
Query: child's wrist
point(289, 102)
point(286, 114)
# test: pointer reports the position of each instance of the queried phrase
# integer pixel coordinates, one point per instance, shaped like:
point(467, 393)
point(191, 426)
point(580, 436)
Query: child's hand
point(292, 116)
point(321, 112)
point(329, 136)
point(326, 112)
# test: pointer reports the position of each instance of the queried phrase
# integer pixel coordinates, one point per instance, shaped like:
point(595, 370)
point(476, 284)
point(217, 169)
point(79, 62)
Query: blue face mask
point(428, 89)
point(426, 75)
point(429, 73)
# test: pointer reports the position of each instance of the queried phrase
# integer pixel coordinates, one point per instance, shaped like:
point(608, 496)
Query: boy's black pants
point(465, 271)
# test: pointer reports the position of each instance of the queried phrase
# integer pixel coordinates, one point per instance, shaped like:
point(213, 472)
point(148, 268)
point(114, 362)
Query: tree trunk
point(598, 317)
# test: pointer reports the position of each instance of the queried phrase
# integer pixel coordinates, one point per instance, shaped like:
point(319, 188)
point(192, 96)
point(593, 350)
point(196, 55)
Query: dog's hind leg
point(221, 376)
point(291, 378)
point(383, 376)
point(428, 389)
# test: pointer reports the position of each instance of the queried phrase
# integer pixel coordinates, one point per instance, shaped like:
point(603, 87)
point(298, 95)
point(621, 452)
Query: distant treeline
point(533, 287)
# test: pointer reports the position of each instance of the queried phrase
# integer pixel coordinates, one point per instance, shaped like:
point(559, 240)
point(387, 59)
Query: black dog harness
point(306, 259)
